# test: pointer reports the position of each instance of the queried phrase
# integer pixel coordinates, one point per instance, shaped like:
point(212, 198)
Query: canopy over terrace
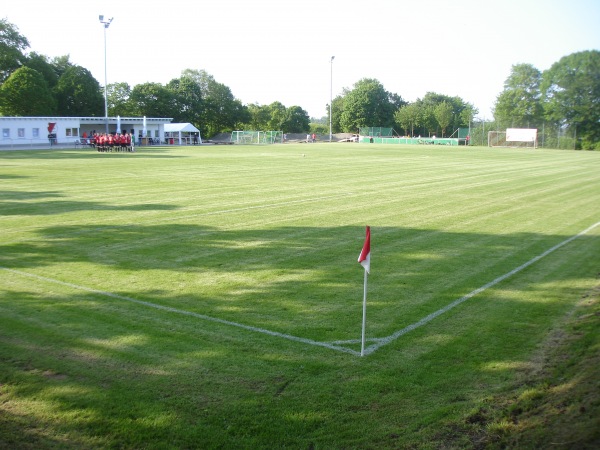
point(182, 133)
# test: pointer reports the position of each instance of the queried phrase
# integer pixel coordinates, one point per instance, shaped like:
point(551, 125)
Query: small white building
point(64, 131)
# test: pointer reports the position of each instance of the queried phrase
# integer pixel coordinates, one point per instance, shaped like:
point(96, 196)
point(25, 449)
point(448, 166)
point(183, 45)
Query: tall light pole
point(106, 24)
point(331, 97)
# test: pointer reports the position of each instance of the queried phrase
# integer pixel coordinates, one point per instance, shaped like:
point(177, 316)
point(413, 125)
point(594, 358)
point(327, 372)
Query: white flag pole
point(364, 318)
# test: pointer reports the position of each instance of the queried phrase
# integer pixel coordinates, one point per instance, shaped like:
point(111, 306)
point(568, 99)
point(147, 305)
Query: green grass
point(112, 265)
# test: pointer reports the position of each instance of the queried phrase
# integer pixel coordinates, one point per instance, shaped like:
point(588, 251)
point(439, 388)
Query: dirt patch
point(53, 375)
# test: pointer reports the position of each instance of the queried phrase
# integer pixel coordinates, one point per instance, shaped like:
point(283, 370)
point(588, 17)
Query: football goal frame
point(513, 138)
point(256, 137)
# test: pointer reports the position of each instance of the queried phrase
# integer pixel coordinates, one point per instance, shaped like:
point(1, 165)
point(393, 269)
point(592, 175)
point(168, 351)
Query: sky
point(280, 50)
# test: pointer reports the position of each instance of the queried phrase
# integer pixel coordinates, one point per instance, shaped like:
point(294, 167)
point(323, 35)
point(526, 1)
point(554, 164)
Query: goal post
point(514, 138)
point(270, 137)
point(256, 137)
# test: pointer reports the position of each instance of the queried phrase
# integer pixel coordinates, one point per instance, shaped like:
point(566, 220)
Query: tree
point(297, 120)
point(119, 100)
point(238, 114)
point(571, 91)
point(519, 104)
point(78, 93)
point(153, 100)
point(12, 46)
point(188, 98)
point(408, 117)
point(61, 64)
point(278, 116)
point(222, 110)
point(42, 64)
point(368, 104)
point(427, 117)
point(206, 103)
point(337, 107)
point(443, 114)
point(259, 117)
point(467, 114)
point(26, 93)
point(461, 112)
point(226, 111)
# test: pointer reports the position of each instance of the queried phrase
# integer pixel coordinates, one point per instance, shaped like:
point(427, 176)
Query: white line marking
point(439, 312)
point(335, 345)
point(185, 313)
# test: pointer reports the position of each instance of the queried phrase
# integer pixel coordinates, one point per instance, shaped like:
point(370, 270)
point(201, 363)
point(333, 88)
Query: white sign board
point(521, 134)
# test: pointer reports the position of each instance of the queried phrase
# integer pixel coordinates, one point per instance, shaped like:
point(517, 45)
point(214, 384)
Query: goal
point(514, 138)
point(256, 137)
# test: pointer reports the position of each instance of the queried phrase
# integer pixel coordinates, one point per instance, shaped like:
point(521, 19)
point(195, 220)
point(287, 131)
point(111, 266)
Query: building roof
point(92, 120)
point(179, 127)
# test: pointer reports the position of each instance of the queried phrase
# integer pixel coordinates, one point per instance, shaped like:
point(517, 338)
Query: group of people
point(109, 142)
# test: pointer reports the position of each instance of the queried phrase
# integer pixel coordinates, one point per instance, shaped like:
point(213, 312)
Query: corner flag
point(365, 260)
point(365, 255)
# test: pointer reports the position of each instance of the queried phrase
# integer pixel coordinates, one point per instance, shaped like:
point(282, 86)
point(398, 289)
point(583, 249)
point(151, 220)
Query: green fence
point(411, 141)
point(380, 132)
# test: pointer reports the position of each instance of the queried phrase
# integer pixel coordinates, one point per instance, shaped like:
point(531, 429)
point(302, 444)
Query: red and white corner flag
point(365, 260)
point(365, 255)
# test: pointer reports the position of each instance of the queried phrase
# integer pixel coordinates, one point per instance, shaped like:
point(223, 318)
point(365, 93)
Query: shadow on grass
point(12, 203)
point(78, 372)
point(4, 176)
point(302, 281)
point(29, 195)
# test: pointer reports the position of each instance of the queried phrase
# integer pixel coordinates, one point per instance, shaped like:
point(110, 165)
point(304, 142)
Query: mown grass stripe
point(333, 345)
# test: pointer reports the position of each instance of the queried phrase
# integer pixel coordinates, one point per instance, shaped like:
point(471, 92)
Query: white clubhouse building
point(23, 132)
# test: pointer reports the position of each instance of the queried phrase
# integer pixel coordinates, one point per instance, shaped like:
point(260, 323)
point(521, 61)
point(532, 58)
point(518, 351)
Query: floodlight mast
point(106, 24)
point(331, 98)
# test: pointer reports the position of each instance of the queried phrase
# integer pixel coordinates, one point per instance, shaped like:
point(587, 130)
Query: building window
point(35, 133)
point(21, 132)
point(6, 133)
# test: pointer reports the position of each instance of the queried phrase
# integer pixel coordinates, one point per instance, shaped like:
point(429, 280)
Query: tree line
point(368, 104)
point(36, 85)
point(562, 101)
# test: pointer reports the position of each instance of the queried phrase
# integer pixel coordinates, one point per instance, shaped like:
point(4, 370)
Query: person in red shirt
point(117, 141)
point(110, 142)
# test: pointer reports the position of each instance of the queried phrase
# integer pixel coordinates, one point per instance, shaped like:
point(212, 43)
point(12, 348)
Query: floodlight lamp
point(332, 58)
point(106, 23)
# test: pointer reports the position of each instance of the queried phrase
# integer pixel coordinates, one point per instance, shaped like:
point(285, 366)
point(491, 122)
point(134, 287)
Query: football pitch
point(210, 296)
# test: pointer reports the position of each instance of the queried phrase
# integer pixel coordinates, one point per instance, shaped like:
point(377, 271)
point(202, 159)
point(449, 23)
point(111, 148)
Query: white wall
point(15, 131)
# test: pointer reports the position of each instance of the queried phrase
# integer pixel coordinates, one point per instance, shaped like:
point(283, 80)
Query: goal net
point(256, 137)
point(513, 137)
